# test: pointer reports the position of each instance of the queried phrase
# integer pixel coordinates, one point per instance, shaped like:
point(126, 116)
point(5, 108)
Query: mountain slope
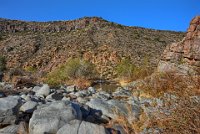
point(45, 45)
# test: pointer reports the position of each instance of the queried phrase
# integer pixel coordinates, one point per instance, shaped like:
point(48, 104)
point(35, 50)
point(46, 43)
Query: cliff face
point(43, 46)
point(183, 57)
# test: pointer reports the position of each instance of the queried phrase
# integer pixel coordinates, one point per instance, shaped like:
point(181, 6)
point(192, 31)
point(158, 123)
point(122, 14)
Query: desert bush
point(31, 69)
point(73, 70)
point(2, 63)
point(158, 84)
point(56, 77)
point(78, 68)
point(127, 71)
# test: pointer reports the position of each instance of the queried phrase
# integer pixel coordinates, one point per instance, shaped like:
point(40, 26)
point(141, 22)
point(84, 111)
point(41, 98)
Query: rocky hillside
point(184, 57)
point(158, 104)
point(42, 46)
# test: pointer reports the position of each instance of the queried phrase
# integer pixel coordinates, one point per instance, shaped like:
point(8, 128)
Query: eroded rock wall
point(183, 57)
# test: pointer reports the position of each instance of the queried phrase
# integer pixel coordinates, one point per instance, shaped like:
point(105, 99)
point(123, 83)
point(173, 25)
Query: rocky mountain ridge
point(42, 46)
point(13, 26)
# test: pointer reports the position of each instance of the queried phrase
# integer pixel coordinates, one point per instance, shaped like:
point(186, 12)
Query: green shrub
point(125, 69)
point(31, 69)
point(78, 68)
point(73, 69)
point(2, 63)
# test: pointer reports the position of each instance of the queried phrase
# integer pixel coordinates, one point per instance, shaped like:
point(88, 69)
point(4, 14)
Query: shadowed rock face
point(183, 57)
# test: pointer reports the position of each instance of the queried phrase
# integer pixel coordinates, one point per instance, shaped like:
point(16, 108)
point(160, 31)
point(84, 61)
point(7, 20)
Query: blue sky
point(157, 14)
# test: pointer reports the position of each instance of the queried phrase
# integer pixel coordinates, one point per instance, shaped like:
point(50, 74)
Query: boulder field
point(66, 110)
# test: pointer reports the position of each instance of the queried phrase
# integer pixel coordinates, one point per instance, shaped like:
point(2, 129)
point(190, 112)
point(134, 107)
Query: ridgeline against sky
point(156, 14)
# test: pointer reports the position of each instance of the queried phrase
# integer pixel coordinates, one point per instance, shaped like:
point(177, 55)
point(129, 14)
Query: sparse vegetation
point(161, 83)
point(128, 71)
point(125, 69)
point(31, 69)
point(46, 46)
point(75, 70)
point(184, 117)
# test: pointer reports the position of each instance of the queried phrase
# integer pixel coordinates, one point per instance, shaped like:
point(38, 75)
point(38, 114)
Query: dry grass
point(128, 123)
point(82, 83)
point(123, 121)
point(158, 84)
point(184, 117)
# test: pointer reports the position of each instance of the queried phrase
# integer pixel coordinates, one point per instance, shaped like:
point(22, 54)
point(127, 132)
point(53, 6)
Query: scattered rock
point(82, 127)
point(2, 95)
point(103, 106)
point(12, 129)
point(122, 93)
point(82, 100)
point(70, 89)
point(9, 107)
point(90, 128)
point(43, 91)
point(36, 88)
point(103, 95)
point(71, 127)
point(66, 99)
point(28, 107)
point(91, 90)
point(48, 118)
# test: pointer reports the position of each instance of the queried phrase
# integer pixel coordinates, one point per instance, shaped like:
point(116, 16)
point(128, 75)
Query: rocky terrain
point(183, 57)
point(125, 110)
point(39, 47)
point(55, 111)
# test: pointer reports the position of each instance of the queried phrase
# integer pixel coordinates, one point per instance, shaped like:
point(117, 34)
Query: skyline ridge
point(99, 17)
point(172, 15)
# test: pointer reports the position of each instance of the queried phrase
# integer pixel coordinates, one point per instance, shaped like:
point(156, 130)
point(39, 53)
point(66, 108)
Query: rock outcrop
point(183, 57)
